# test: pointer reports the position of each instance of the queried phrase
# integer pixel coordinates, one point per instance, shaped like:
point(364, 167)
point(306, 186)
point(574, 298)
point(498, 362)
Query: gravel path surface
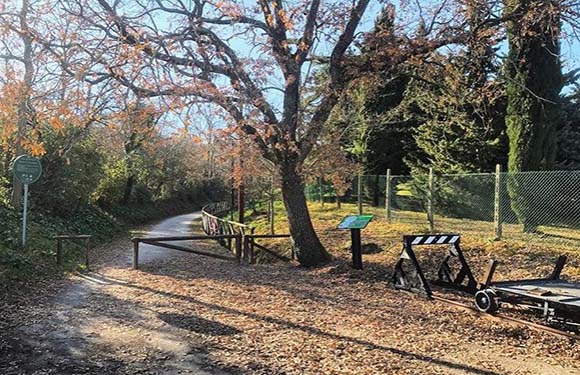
point(187, 314)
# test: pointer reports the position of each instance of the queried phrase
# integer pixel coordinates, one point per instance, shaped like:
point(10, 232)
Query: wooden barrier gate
point(238, 238)
point(242, 251)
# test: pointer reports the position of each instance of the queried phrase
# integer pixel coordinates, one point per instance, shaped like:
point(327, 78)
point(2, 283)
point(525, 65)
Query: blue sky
point(570, 46)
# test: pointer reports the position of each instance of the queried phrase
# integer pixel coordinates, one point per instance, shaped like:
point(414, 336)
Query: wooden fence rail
point(162, 242)
point(214, 225)
point(243, 251)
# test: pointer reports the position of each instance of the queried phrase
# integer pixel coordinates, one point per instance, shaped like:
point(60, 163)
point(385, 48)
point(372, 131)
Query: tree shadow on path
point(311, 330)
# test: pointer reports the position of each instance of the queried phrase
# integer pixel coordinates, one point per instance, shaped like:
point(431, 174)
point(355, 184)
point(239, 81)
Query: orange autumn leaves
point(40, 115)
point(11, 98)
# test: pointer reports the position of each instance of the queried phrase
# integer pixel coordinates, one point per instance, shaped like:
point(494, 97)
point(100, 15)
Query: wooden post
point(241, 204)
point(431, 203)
point(356, 249)
point(252, 257)
point(245, 250)
point(229, 240)
point(87, 250)
point(239, 240)
point(135, 254)
point(388, 196)
point(359, 190)
point(497, 215)
point(59, 251)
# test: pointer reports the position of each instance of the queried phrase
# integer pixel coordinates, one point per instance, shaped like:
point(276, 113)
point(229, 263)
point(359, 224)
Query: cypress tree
point(569, 134)
point(534, 81)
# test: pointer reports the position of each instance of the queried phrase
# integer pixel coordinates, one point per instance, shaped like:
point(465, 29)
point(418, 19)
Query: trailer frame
point(557, 299)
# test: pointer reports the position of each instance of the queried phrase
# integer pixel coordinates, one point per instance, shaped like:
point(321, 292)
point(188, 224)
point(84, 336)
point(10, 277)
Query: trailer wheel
point(486, 301)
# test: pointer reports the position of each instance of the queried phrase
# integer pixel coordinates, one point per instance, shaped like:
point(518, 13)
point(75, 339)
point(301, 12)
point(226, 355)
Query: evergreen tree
point(568, 156)
point(534, 82)
point(460, 120)
point(389, 137)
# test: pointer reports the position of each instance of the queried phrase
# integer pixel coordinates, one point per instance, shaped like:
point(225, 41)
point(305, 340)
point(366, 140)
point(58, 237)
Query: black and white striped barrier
point(409, 274)
point(438, 239)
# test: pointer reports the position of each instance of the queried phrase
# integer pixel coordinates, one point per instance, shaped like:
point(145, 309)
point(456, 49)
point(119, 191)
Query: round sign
point(27, 169)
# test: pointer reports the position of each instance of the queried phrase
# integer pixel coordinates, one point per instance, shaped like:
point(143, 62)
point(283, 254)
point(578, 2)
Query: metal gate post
point(497, 204)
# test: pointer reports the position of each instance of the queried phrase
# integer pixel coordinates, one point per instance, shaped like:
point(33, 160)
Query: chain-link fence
point(529, 206)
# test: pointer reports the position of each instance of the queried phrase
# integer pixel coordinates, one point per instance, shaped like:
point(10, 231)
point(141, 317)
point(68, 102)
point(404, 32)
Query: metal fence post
point(320, 192)
point(359, 193)
point(497, 223)
point(388, 196)
point(431, 204)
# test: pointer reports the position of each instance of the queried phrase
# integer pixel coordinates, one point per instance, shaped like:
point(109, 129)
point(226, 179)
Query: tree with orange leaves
point(196, 59)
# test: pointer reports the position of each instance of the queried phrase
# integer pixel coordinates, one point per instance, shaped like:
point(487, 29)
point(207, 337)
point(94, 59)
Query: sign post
point(27, 170)
point(355, 223)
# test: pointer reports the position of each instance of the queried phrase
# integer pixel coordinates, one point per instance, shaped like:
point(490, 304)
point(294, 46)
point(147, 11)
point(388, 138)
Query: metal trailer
point(555, 298)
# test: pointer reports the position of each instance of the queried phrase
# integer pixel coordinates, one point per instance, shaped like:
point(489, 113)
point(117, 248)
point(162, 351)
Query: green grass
point(534, 252)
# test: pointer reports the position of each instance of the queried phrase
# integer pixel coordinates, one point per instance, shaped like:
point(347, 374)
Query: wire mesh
point(465, 204)
point(533, 207)
point(409, 200)
point(541, 207)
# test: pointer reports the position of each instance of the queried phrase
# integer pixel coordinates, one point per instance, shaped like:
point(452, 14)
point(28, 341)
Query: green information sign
point(355, 222)
point(27, 169)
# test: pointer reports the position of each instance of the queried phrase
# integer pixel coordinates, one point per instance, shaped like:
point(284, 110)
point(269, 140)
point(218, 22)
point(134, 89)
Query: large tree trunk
point(309, 250)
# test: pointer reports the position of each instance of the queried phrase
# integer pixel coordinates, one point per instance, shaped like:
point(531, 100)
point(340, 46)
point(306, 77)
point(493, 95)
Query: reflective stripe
point(417, 240)
point(430, 239)
point(454, 239)
point(442, 239)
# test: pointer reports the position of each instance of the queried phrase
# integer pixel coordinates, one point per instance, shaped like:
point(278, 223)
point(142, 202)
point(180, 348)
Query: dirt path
point(86, 329)
point(186, 314)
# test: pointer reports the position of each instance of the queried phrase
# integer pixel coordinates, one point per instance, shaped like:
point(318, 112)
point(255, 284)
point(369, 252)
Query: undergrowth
point(21, 267)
